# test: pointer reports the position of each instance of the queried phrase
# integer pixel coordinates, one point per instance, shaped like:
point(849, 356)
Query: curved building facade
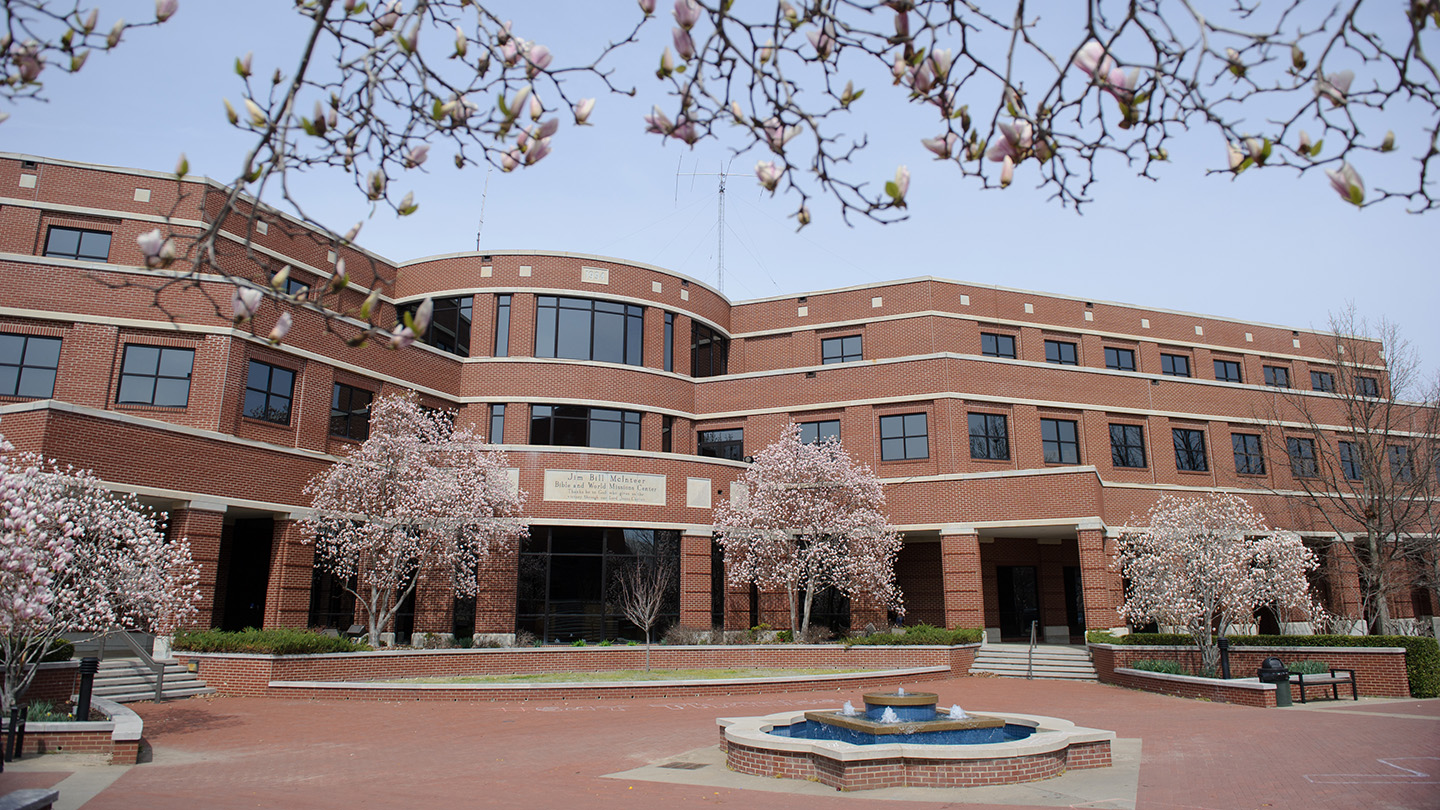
point(1017, 432)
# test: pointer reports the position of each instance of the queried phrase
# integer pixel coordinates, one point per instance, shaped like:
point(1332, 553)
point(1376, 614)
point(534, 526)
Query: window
point(581, 329)
point(989, 436)
point(667, 433)
point(1127, 445)
point(1060, 353)
point(350, 412)
point(904, 437)
point(294, 288)
point(669, 341)
point(1350, 466)
point(840, 349)
point(709, 351)
point(1228, 371)
point(1367, 386)
point(155, 375)
point(1401, 467)
point(816, 432)
point(1175, 365)
point(1277, 377)
point(580, 426)
point(27, 365)
point(1120, 359)
point(721, 444)
point(1060, 441)
point(74, 243)
point(1249, 459)
point(1190, 450)
point(268, 390)
point(1302, 457)
point(502, 326)
point(449, 325)
point(992, 345)
point(497, 424)
point(1322, 381)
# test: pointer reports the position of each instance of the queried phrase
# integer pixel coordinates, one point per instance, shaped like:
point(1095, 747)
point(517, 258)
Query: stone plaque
point(604, 487)
point(595, 275)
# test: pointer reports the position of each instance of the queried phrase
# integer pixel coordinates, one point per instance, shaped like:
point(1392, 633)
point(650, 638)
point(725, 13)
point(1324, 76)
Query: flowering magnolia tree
point(998, 92)
point(75, 557)
point(1208, 563)
point(811, 518)
point(419, 498)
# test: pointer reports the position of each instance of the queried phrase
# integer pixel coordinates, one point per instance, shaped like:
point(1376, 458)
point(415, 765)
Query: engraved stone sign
point(604, 487)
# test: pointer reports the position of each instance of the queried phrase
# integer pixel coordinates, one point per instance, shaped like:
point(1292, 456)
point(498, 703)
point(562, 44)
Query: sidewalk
point(248, 753)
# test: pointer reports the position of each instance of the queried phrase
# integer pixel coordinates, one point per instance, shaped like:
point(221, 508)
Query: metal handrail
point(145, 658)
point(1030, 658)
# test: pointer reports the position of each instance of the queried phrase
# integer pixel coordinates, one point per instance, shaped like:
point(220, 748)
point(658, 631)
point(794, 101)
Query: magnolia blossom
point(941, 145)
point(282, 328)
point(1335, 86)
point(777, 134)
point(1347, 183)
point(159, 252)
point(687, 13)
point(28, 60)
point(684, 45)
point(165, 9)
point(1016, 142)
point(1093, 60)
point(941, 59)
point(1305, 145)
point(1235, 156)
point(823, 41)
point(583, 109)
point(417, 155)
point(769, 174)
point(538, 57)
point(1007, 171)
point(811, 518)
point(900, 186)
point(647, 6)
point(419, 499)
point(245, 303)
point(403, 337)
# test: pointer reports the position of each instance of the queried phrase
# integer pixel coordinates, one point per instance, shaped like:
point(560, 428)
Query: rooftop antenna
point(720, 223)
point(483, 194)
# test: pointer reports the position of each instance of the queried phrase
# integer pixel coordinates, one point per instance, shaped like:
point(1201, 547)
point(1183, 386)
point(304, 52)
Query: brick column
point(963, 582)
point(435, 603)
point(292, 564)
point(695, 581)
point(202, 527)
point(1344, 575)
point(737, 607)
point(495, 599)
point(1102, 586)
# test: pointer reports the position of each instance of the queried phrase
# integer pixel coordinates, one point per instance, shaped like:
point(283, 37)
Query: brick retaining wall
point(1379, 671)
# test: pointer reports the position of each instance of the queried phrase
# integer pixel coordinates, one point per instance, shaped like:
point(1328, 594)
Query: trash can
point(1273, 671)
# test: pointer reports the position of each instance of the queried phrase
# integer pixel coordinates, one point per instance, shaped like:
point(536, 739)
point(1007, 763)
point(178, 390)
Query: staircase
point(127, 680)
point(1051, 661)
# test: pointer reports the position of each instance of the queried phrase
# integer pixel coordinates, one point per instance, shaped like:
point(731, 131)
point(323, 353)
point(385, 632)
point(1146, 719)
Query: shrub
point(675, 635)
point(525, 638)
point(919, 634)
point(579, 642)
point(1308, 668)
point(280, 641)
point(1166, 667)
point(605, 643)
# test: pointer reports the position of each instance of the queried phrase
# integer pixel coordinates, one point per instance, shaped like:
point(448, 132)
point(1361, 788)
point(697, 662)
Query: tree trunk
point(809, 600)
point(647, 648)
point(794, 610)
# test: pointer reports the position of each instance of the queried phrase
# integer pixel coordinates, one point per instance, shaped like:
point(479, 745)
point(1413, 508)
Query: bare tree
point(1362, 451)
point(643, 589)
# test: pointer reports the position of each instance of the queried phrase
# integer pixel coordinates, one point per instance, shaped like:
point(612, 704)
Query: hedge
point(1422, 654)
point(918, 634)
point(273, 642)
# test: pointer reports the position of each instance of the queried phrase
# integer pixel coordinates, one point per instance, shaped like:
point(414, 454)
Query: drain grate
point(685, 766)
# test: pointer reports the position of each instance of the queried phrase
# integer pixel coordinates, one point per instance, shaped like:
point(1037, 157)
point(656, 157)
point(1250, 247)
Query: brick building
point(1017, 432)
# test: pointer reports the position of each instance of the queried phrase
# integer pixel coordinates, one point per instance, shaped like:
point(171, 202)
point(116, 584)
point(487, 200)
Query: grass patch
point(630, 675)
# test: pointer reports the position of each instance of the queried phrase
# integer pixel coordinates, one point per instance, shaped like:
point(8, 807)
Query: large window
point(721, 444)
point(1367, 386)
point(1350, 465)
point(1228, 371)
point(568, 576)
point(580, 426)
point(75, 243)
point(816, 432)
point(1060, 441)
point(709, 351)
point(1190, 450)
point(350, 412)
point(904, 437)
point(993, 345)
point(27, 365)
point(155, 375)
point(497, 424)
point(1120, 359)
point(1302, 457)
point(1322, 381)
point(1249, 458)
point(669, 341)
point(841, 349)
point(449, 325)
point(582, 329)
point(1127, 445)
point(1175, 365)
point(502, 326)
point(268, 390)
point(1060, 353)
point(1277, 376)
point(989, 436)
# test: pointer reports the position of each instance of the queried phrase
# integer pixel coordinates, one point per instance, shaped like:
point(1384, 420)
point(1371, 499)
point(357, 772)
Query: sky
point(1267, 246)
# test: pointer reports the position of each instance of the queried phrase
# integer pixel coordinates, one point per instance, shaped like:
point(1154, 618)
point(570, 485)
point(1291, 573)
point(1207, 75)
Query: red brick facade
point(967, 521)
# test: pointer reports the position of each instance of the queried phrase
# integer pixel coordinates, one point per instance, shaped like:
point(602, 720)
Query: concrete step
point(149, 695)
point(131, 681)
point(1048, 662)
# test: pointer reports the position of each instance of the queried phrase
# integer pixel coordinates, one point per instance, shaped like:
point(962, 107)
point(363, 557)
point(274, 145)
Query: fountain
point(900, 739)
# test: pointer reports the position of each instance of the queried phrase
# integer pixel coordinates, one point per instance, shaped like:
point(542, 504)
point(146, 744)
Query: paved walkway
point(1185, 755)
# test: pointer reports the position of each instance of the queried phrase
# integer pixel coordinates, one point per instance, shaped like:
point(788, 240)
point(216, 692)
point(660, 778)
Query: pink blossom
point(769, 174)
point(647, 6)
point(658, 122)
point(941, 145)
point(687, 13)
point(583, 109)
point(823, 41)
point(245, 303)
point(539, 58)
point(510, 160)
point(423, 313)
point(1347, 183)
point(1093, 59)
point(1007, 171)
point(417, 155)
point(165, 9)
point(28, 60)
point(1015, 143)
point(282, 328)
point(1335, 86)
point(537, 152)
point(684, 45)
point(403, 337)
point(900, 186)
point(777, 134)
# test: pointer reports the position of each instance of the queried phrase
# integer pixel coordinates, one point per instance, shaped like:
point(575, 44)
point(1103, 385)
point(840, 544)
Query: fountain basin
point(1053, 746)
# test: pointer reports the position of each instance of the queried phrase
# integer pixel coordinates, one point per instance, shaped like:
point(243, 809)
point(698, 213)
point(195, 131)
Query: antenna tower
point(719, 227)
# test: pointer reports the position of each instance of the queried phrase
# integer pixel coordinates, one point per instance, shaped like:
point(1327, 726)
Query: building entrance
point(1017, 587)
point(248, 553)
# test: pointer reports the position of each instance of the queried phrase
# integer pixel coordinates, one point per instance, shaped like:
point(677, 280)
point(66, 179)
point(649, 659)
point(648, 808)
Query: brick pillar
point(495, 599)
point(292, 564)
point(435, 603)
point(963, 581)
point(202, 527)
point(695, 581)
point(1102, 586)
point(737, 607)
point(1344, 576)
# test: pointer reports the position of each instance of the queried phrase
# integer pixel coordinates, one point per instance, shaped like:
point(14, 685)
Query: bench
point(1333, 680)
